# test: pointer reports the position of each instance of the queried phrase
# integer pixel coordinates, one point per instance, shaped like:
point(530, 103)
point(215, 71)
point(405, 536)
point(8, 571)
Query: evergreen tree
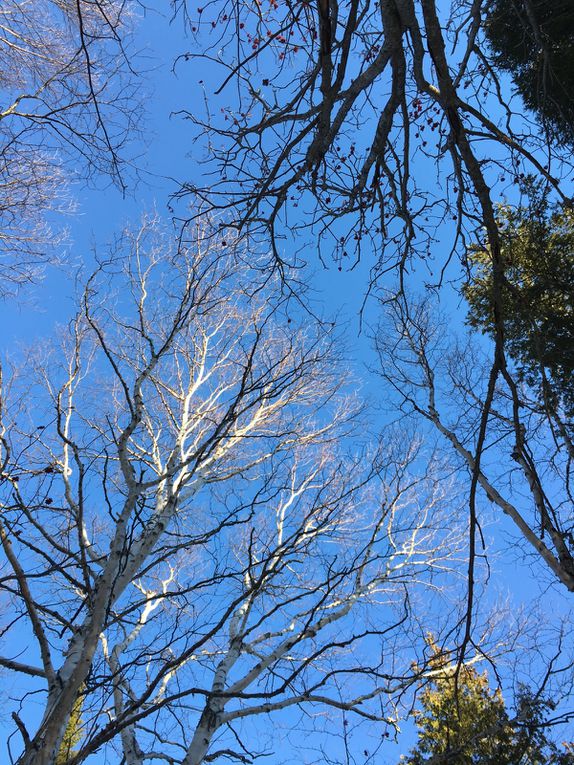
point(463, 722)
point(537, 297)
point(534, 41)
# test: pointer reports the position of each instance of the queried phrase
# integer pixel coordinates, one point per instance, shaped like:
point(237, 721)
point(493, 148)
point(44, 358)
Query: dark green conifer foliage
point(534, 41)
point(463, 722)
point(538, 297)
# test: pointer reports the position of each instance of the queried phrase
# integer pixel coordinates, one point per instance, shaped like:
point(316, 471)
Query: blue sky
point(167, 157)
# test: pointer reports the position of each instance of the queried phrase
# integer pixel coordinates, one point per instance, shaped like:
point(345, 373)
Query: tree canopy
point(386, 134)
point(462, 721)
point(68, 111)
point(192, 535)
point(213, 546)
point(533, 40)
point(537, 248)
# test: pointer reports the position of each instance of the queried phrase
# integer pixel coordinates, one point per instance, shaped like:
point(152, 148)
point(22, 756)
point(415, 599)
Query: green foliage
point(72, 735)
point(534, 41)
point(537, 297)
point(463, 722)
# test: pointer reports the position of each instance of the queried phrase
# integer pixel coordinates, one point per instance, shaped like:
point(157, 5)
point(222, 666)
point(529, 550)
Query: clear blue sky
point(167, 157)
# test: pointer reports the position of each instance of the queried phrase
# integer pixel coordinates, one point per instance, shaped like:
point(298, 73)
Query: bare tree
point(378, 122)
point(67, 111)
point(445, 379)
point(188, 546)
point(387, 126)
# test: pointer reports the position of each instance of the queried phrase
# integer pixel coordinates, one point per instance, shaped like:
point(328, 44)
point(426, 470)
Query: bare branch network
point(442, 380)
point(387, 132)
point(377, 123)
point(67, 113)
point(199, 543)
point(188, 545)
